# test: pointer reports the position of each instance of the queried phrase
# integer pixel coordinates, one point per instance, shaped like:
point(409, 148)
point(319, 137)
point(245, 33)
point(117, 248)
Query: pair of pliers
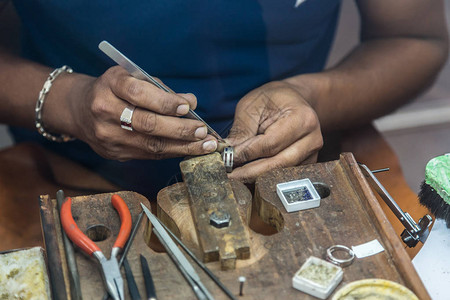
point(110, 267)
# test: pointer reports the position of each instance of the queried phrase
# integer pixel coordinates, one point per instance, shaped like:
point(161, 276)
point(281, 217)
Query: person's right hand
point(158, 131)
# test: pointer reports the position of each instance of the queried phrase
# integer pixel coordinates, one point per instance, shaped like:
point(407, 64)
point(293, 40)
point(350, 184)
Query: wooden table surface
point(350, 215)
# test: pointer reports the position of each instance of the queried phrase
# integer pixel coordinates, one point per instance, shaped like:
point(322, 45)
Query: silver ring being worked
point(125, 118)
point(227, 156)
point(342, 262)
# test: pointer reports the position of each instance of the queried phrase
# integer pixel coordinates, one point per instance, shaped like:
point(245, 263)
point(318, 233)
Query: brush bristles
point(437, 206)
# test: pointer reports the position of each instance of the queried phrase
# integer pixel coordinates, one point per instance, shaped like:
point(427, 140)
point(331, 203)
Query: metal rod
point(380, 170)
point(74, 277)
point(131, 238)
point(412, 228)
point(241, 285)
point(132, 287)
point(149, 285)
point(201, 265)
point(198, 292)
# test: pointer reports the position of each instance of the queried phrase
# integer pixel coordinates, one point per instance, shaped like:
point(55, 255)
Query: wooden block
point(211, 197)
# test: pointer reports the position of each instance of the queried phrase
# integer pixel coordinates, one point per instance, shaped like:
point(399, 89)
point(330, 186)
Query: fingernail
point(201, 132)
point(210, 146)
point(182, 109)
point(190, 96)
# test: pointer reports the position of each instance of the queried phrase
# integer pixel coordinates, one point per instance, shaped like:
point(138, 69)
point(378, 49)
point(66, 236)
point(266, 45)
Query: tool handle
point(125, 219)
point(73, 232)
point(148, 280)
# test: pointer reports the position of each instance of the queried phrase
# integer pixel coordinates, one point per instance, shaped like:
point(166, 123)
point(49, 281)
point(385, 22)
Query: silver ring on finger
point(126, 116)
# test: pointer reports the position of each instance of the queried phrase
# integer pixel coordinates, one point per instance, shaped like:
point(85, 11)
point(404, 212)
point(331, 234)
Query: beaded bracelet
point(40, 104)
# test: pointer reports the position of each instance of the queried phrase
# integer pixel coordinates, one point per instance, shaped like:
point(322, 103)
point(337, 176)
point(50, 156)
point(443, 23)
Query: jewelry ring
point(342, 262)
point(125, 118)
point(227, 156)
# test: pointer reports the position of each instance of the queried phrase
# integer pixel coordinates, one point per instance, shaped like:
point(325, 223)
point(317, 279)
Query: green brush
point(435, 190)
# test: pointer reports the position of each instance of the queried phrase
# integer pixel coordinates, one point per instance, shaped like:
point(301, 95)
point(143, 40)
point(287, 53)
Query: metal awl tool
point(177, 256)
point(413, 232)
point(109, 267)
point(138, 73)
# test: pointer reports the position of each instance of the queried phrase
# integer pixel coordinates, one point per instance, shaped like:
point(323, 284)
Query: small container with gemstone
point(317, 277)
point(298, 195)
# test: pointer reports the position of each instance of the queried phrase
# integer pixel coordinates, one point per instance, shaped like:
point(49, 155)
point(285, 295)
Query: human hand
point(274, 127)
point(158, 131)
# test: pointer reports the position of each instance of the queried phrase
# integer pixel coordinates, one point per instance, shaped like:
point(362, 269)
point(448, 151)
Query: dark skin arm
point(403, 46)
point(89, 109)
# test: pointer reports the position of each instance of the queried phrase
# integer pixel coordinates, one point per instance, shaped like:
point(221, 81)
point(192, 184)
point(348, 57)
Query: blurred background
point(418, 131)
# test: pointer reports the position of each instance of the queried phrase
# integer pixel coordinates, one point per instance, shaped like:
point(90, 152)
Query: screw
point(219, 219)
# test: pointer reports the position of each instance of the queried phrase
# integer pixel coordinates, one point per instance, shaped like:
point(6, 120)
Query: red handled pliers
point(110, 267)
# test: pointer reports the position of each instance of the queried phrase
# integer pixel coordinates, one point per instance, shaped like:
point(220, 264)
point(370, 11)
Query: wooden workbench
point(350, 215)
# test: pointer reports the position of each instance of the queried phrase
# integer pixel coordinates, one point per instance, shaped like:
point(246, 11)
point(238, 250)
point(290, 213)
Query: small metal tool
point(241, 285)
point(74, 278)
point(138, 73)
point(200, 264)
point(132, 287)
point(413, 232)
point(128, 245)
point(149, 285)
point(131, 238)
point(177, 256)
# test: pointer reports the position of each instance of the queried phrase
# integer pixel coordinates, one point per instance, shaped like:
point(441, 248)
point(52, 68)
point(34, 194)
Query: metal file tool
point(138, 73)
point(177, 256)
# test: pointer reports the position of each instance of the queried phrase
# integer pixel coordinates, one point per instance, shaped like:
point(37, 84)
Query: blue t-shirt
point(218, 50)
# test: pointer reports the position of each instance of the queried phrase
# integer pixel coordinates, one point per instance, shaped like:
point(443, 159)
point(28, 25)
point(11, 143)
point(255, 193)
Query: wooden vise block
point(220, 230)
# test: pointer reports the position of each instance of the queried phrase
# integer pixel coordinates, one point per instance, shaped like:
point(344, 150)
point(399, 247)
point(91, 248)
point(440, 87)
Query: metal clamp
point(413, 232)
point(341, 262)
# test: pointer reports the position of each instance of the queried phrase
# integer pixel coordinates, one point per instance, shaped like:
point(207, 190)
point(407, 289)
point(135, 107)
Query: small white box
point(317, 277)
point(298, 195)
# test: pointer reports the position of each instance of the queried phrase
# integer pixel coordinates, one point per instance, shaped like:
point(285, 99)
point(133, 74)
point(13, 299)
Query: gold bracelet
point(40, 104)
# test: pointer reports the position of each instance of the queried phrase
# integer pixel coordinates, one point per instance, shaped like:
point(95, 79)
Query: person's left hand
point(274, 127)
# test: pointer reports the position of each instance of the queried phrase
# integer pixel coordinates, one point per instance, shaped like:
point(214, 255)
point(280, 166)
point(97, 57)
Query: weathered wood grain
point(350, 215)
point(210, 193)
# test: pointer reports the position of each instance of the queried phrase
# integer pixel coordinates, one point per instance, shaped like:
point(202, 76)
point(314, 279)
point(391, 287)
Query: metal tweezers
point(138, 73)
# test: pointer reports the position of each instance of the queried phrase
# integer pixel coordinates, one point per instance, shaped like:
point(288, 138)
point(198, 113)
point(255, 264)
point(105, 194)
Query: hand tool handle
point(73, 232)
point(148, 280)
point(132, 287)
point(125, 220)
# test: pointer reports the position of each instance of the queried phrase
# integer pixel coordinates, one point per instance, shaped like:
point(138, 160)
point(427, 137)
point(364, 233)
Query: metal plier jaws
point(413, 232)
point(109, 267)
